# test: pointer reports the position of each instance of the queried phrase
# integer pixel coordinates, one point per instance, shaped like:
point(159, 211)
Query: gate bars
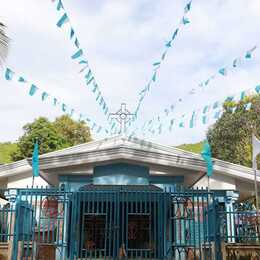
point(123, 222)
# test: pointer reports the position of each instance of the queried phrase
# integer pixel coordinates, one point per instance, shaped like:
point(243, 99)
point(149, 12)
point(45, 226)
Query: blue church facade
point(121, 199)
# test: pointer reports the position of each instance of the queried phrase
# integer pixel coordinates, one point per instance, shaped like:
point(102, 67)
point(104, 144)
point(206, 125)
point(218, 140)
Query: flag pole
point(256, 193)
point(33, 181)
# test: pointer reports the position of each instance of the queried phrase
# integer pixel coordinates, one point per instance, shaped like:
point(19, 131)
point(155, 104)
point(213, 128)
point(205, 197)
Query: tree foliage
point(231, 136)
point(62, 133)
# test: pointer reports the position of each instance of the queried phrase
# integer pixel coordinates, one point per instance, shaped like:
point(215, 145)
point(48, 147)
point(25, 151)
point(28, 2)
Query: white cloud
point(121, 40)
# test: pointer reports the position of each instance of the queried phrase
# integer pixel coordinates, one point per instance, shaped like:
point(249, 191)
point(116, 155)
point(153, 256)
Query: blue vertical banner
point(35, 160)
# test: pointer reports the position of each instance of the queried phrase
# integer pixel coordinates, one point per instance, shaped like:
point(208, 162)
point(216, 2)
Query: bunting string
point(33, 90)
point(80, 58)
point(203, 115)
point(204, 85)
point(157, 64)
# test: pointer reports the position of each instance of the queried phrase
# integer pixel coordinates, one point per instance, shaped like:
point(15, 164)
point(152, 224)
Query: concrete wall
point(217, 182)
point(24, 180)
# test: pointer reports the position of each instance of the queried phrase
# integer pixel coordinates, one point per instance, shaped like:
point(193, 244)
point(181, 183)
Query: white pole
point(256, 193)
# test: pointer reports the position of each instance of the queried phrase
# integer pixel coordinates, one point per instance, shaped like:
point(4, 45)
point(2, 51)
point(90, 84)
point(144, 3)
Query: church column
point(230, 199)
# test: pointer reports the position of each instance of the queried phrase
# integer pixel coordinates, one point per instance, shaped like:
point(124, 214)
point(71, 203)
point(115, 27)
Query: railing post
point(230, 199)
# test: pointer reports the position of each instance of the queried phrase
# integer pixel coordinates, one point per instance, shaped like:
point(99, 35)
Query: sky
point(122, 39)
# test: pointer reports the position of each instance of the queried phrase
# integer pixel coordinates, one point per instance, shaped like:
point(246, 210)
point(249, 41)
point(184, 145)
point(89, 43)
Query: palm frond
point(4, 42)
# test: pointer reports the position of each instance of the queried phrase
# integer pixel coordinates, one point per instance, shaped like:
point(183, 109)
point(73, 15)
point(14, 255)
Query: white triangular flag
point(256, 150)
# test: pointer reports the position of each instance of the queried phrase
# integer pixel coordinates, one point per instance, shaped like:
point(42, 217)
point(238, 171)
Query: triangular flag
point(77, 42)
point(64, 19)
point(157, 63)
point(64, 107)
point(256, 150)
point(72, 32)
point(60, 5)
point(164, 55)
point(187, 7)
point(9, 74)
point(185, 20)
point(223, 71)
point(21, 79)
point(206, 155)
point(35, 160)
point(168, 44)
point(77, 54)
point(257, 89)
point(154, 77)
point(44, 96)
point(33, 90)
point(175, 34)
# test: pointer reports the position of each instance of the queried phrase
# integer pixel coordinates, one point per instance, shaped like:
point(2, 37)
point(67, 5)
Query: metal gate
point(112, 222)
point(142, 223)
point(117, 224)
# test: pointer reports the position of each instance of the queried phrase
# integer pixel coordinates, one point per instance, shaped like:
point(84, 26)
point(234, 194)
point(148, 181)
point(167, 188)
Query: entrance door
point(116, 224)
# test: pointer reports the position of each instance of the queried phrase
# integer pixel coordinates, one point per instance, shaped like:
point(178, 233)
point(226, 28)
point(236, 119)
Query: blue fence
point(121, 222)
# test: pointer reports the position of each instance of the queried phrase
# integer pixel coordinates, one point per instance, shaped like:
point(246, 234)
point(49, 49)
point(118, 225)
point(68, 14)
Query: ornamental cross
point(123, 116)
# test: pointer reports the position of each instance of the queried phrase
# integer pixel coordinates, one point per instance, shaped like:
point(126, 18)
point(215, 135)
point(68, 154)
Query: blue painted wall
point(121, 174)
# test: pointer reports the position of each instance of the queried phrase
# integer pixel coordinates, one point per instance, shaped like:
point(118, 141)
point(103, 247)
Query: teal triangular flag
point(187, 7)
point(192, 121)
point(175, 34)
point(64, 107)
point(21, 79)
point(248, 55)
point(185, 20)
point(77, 42)
point(163, 55)
point(217, 114)
point(83, 62)
point(257, 89)
point(72, 32)
point(157, 63)
point(77, 54)
point(242, 95)
point(55, 101)
point(223, 71)
point(64, 19)
point(206, 155)
point(154, 77)
point(35, 160)
point(33, 90)
point(44, 96)
point(168, 44)
point(8, 74)
point(207, 82)
point(60, 5)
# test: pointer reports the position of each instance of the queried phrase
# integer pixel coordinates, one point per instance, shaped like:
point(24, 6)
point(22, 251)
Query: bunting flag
point(79, 57)
point(207, 157)
point(204, 115)
point(204, 84)
point(9, 75)
point(156, 65)
point(35, 160)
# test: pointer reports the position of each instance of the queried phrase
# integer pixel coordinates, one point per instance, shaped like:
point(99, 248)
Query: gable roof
point(125, 148)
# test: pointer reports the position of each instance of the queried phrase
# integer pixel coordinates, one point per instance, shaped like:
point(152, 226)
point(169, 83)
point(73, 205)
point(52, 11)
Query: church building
point(121, 198)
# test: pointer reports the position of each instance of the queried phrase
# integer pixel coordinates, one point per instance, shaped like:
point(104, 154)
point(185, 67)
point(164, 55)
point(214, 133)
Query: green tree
point(231, 136)
point(73, 132)
point(51, 136)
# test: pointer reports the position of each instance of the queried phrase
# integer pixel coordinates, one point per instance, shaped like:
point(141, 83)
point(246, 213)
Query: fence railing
point(239, 226)
point(146, 224)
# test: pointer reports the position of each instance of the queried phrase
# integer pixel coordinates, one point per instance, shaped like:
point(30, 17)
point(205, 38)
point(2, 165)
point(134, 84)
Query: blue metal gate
point(122, 222)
